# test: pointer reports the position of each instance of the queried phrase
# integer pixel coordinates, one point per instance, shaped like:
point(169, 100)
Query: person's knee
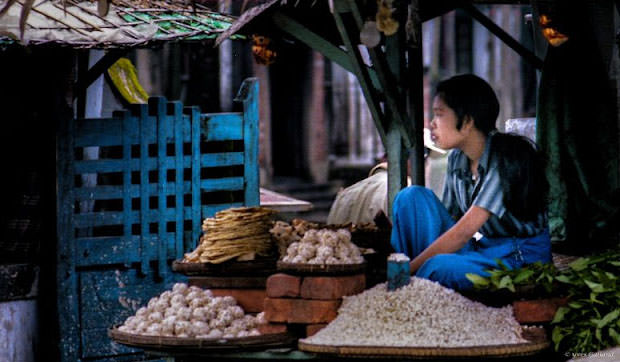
point(411, 193)
point(438, 265)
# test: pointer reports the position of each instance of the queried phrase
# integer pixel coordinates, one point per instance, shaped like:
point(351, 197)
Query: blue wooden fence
point(162, 169)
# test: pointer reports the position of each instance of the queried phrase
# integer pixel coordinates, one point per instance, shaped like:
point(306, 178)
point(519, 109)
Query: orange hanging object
point(263, 52)
point(385, 21)
point(553, 36)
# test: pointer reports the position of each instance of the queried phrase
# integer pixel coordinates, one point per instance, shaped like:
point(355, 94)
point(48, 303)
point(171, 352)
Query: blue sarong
point(419, 218)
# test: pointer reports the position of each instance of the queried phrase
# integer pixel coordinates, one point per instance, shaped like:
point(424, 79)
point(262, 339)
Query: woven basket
point(165, 343)
point(321, 269)
point(536, 336)
point(259, 267)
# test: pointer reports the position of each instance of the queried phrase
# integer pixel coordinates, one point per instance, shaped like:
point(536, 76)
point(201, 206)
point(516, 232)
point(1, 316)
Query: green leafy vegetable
point(591, 320)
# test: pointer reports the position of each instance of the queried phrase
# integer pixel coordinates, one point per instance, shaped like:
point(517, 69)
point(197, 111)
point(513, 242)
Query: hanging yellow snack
point(125, 79)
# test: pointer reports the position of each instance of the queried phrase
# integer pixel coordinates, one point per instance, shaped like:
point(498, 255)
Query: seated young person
point(494, 196)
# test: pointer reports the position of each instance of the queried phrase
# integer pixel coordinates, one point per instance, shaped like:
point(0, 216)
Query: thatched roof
point(127, 23)
point(244, 19)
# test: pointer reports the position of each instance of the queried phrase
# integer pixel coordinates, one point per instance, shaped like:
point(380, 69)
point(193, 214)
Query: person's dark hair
point(522, 174)
point(469, 95)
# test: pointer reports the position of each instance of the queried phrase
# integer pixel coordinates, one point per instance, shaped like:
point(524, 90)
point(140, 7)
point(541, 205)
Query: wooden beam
point(415, 75)
point(316, 42)
point(97, 70)
point(503, 36)
point(302, 33)
point(396, 64)
point(362, 74)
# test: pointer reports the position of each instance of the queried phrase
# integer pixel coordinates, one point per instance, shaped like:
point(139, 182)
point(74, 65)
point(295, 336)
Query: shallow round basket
point(229, 268)
point(537, 338)
point(321, 269)
point(164, 343)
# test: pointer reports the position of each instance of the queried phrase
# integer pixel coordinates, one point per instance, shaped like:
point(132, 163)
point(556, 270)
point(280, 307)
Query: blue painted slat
point(210, 210)
point(222, 126)
point(194, 114)
point(144, 120)
point(66, 257)
point(77, 256)
point(116, 192)
point(121, 250)
point(129, 123)
point(109, 297)
point(106, 132)
point(158, 107)
point(103, 218)
point(98, 251)
point(222, 184)
point(178, 123)
point(116, 250)
point(97, 344)
point(248, 95)
point(110, 165)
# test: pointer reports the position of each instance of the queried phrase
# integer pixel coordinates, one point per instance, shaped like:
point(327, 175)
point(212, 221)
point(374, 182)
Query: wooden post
point(394, 52)
point(416, 98)
point(67, 282)
point(248, 96)
point(19, 336)
point(396, 175)
point(265, 160)
point(225, 60)
point(315, 125)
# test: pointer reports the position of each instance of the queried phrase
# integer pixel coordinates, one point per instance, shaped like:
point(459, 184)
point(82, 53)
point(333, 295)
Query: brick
point(272, 328)
point(311, 329)
point(328, 288)
point(286, 310)
point(537, 311)
point(251, 300)
point(283, 285)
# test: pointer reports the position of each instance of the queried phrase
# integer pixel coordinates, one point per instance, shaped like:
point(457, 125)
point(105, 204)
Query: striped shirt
point(461, 191)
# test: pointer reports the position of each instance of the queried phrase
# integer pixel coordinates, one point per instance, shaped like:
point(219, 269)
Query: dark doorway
point(290, 79)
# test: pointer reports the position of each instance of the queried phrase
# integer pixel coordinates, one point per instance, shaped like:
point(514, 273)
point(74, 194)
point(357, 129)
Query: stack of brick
point(304, 305)
point(538, 310)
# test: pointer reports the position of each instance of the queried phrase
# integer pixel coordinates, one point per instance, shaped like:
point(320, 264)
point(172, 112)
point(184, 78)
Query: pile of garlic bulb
point(192, 312)
point(285, 234)
point(420, 314)
point(324, 246)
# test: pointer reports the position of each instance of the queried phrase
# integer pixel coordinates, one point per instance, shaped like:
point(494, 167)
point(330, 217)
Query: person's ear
point(468, 123)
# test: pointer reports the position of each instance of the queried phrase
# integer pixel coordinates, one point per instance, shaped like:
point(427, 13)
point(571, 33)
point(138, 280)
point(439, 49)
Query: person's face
point(443, 126)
